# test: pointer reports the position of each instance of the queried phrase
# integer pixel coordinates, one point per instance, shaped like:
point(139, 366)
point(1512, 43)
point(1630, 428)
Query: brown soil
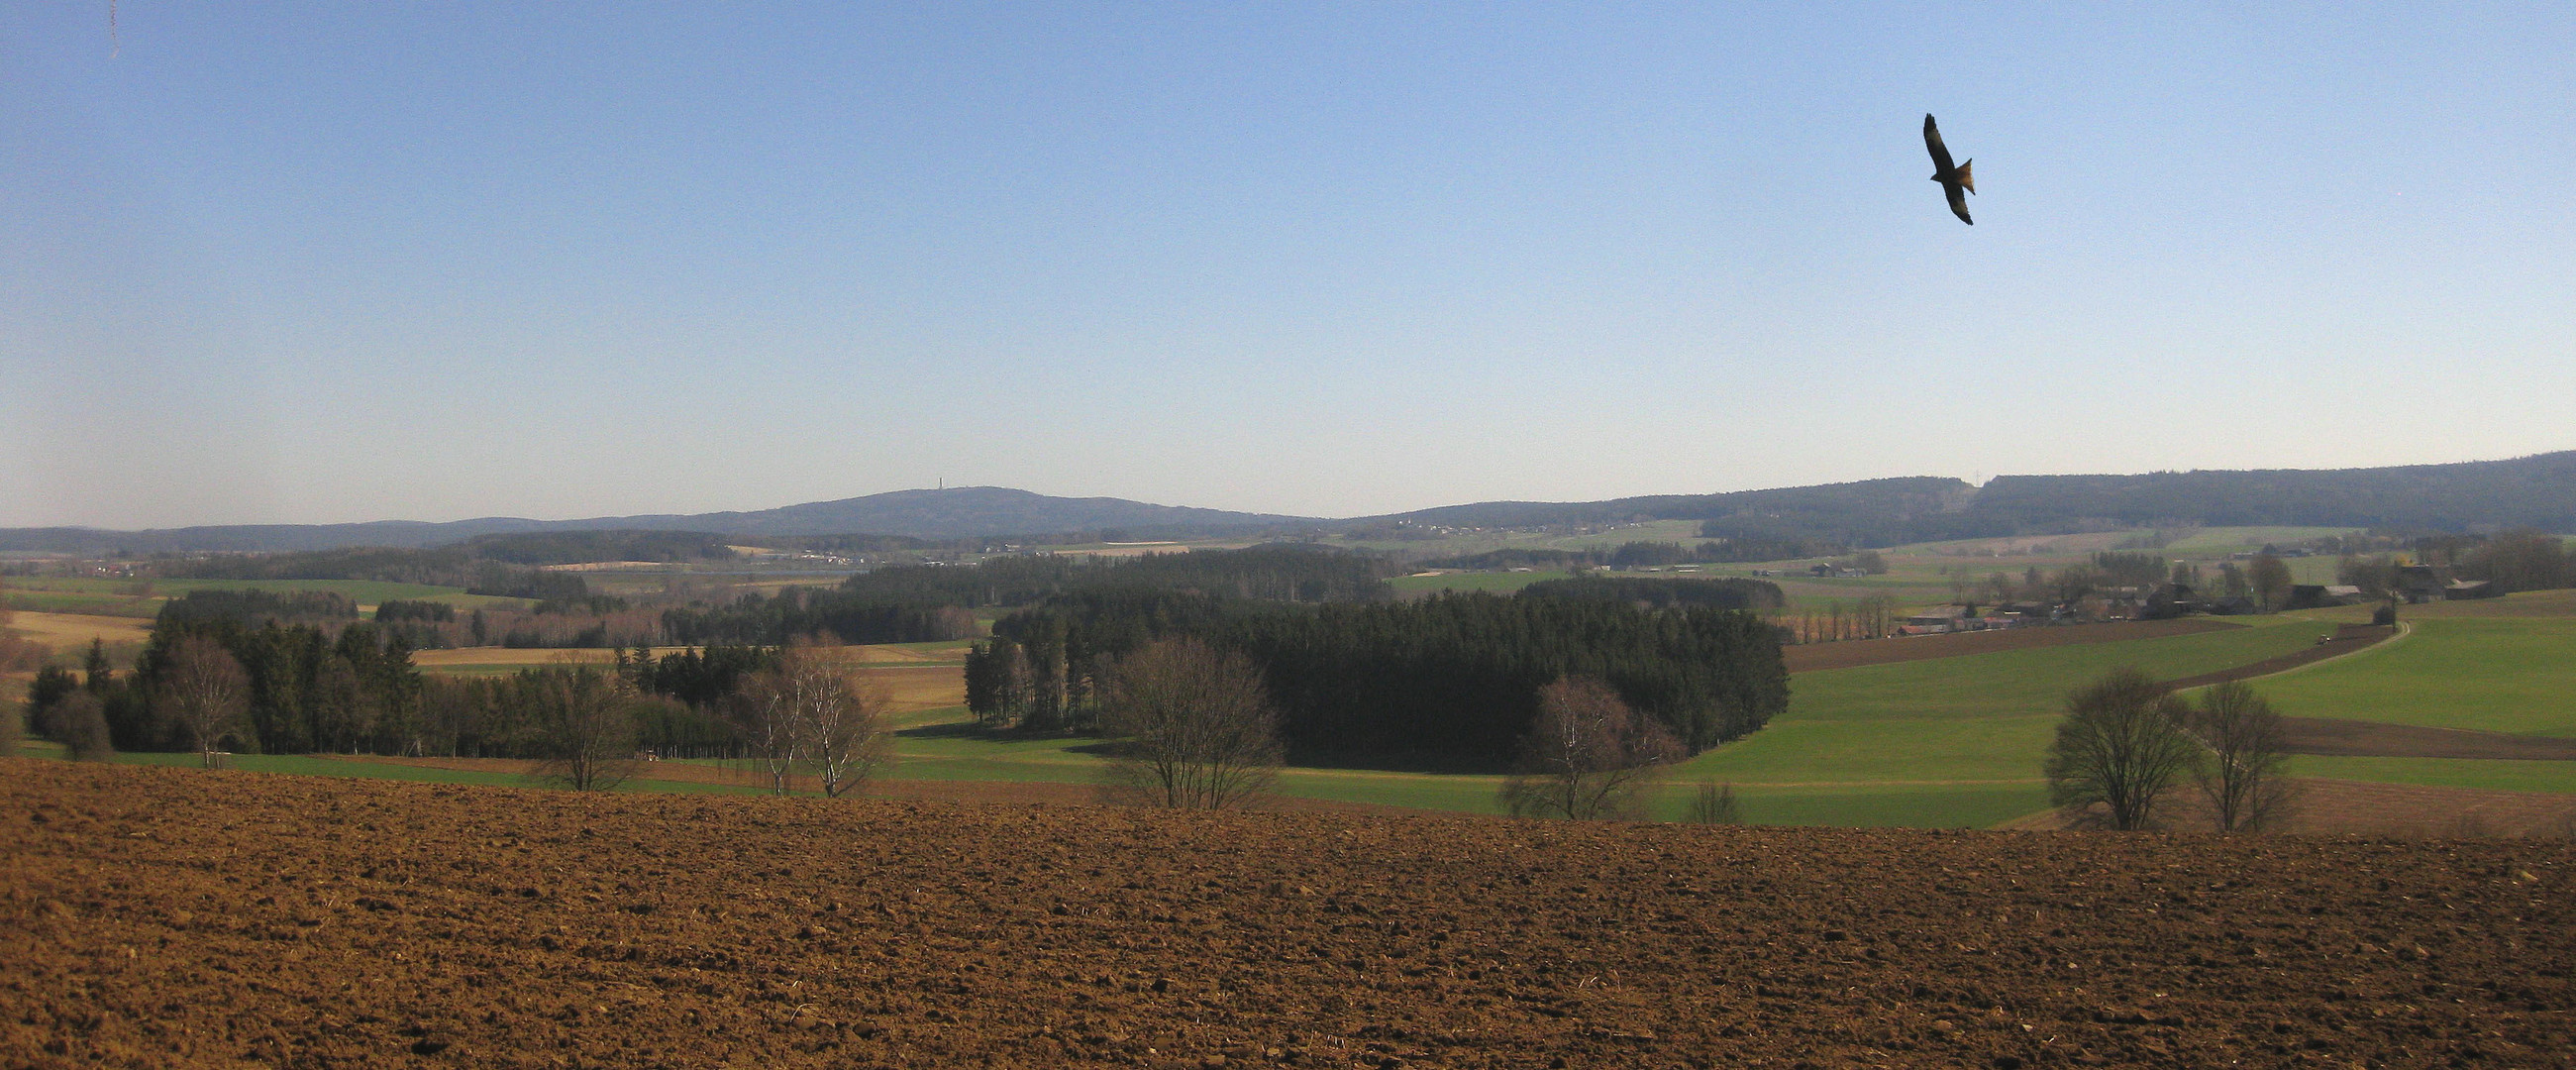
point(2346, 639)
point(1810, 657)
point(160, 917)
point(2325, 735)
point(2369, 808)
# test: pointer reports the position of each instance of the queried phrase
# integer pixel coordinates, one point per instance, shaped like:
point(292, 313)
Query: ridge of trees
point(1451, 678)
point(2537, 491)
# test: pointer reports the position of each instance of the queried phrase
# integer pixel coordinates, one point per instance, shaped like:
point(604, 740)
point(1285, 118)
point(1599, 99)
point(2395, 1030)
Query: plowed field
point(156, 917)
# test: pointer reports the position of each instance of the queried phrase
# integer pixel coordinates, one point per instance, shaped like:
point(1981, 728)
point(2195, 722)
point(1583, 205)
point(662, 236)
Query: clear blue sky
point(332, 262)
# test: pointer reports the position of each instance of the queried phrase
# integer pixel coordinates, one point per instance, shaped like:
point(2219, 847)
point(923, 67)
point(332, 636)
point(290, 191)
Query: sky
point(283, 263)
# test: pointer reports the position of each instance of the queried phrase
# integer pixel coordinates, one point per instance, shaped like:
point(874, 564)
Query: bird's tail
point(1968, 175)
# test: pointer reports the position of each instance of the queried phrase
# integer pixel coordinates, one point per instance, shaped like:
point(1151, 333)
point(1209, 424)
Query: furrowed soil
point(157, 917)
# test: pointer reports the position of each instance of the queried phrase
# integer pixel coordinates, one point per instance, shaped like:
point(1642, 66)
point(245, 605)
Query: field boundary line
point(2404, 629)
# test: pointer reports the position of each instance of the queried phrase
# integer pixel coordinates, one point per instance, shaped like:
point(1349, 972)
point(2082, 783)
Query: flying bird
point(1952, 179)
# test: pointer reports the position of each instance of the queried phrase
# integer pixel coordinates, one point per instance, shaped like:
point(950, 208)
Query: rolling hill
point(2536, 491)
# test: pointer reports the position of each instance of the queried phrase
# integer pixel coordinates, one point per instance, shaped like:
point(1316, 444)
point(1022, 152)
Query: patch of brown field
point(64, 631)
point(1813, 657)
point(2354, 807)
point(910, 685)
point(2347, 638)
point(896, 655)
point(911, 689)
point(2370, 739)
point(532, 656)
point(170, 917)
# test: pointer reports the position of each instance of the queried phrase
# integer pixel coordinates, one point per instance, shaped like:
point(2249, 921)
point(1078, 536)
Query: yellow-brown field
point(63, 631)
point(912, 679)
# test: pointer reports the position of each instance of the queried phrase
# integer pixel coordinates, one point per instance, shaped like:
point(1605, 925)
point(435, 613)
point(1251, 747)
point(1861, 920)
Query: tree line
point(1450, 679)
point(242, 672)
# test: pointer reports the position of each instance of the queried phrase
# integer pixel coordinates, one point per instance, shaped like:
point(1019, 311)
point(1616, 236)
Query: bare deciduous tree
point(807, 715)
point(1715, 805)
point(2244, 777)
point(206, 691)
point(80, 721)
point(1587, 755)
point(764, 713)
point(586, 727)
point(2121, 744)
point(842, 726)
point(1194, 726)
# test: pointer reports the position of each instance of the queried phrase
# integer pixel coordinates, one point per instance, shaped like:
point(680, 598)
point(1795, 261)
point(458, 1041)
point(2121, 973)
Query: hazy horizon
point(323, 264)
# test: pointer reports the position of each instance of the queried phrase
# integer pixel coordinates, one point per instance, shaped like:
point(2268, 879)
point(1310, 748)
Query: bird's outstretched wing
point(1932, 141)
point(1958, 202)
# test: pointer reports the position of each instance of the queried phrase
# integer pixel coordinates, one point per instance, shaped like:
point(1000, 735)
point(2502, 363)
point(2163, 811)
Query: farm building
point(2463, 590)
point(2419, 583)
point(2318, 595)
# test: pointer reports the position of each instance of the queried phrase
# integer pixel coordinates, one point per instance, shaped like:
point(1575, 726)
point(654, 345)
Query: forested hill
point(2537, 491)
point(953, 513)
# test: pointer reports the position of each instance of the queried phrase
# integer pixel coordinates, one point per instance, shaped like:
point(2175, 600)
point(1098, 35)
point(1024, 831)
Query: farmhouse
point(2463, 590)
point(2319, 595)
point(2419, 583)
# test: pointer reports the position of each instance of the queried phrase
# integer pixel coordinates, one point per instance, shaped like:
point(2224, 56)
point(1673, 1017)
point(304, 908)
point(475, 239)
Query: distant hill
point(954, 513)
point(1874, 511)
point(2537, 491)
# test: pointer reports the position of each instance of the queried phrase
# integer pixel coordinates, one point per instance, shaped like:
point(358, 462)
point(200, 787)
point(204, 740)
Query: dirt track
point(156, 917)
point(2331, 736)
point(2347, 638)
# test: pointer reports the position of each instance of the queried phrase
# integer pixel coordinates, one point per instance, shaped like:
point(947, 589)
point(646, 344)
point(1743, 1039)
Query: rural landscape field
point(1521, 536)
point(986, 895)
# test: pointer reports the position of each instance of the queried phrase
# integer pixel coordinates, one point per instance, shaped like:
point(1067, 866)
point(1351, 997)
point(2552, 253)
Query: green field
point(2231, 540)
point(1954, 741)
point(138, 597)
point(308, 765)
point(1941, 743)
point(2494, 674)
point(2494, 774)
point(1919, 575)
point(1498, 582)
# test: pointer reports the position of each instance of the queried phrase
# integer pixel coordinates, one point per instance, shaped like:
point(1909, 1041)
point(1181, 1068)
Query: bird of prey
point(1952, 179)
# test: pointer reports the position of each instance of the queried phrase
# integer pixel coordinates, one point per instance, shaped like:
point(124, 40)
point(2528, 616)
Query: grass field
point(1937, 743)
point(1948, 742)
point(143, 598)
point(310, 765)
point(1497, 582)
point(1919, 575)
point(2503, 775)
point(2494, 674)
